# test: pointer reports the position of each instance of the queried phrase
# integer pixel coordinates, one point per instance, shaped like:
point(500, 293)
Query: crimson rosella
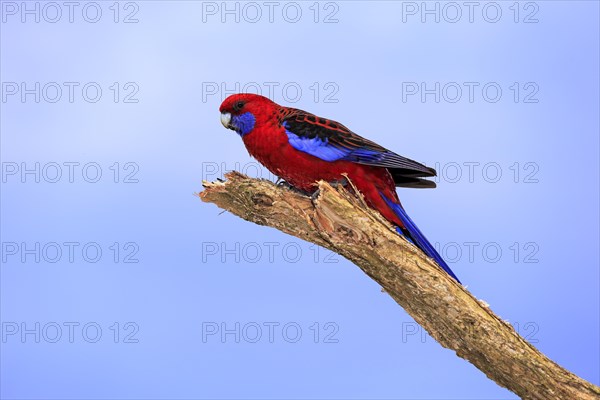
point(302, 149)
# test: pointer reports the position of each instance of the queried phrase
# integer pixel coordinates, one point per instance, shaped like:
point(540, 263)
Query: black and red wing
point(332, 141)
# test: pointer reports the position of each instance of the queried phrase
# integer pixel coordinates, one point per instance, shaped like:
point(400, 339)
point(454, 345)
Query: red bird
point(302, 149)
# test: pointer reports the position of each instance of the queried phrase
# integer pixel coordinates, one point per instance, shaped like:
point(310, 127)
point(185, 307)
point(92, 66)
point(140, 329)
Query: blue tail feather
point(416, 237)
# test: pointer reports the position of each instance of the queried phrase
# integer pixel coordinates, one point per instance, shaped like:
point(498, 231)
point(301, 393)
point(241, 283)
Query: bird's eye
point(238, 106)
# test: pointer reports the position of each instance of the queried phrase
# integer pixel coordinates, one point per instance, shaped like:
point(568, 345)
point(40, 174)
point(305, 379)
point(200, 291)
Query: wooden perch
point(340, 222)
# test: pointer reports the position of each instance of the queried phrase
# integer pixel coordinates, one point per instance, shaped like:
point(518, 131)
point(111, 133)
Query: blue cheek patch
point(244, 123)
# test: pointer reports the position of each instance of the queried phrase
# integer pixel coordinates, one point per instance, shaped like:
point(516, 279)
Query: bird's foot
point(314, 195)
point(339, 183)
point(284, 184)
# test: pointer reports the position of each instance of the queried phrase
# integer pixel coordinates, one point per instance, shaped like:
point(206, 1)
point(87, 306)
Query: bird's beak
point(226, 119)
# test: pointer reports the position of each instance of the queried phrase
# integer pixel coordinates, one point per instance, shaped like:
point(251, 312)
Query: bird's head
point(241, 112)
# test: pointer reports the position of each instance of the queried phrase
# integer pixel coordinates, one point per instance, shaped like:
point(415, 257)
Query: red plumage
point(269, 144)
point(303, 149)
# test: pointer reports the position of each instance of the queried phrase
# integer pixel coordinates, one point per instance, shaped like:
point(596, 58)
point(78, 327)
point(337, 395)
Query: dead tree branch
point(340, 222)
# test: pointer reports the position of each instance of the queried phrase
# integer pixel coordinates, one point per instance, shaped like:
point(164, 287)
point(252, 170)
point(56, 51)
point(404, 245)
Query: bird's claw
point(282, 183)
point(339, 183)
point(314, 195)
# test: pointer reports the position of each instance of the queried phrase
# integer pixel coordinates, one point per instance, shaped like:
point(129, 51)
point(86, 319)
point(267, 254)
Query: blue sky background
point(518, 184)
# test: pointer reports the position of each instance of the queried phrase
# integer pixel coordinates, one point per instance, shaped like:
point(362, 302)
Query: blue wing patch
point(316, 146)
point(323, 149)
point(331, 141)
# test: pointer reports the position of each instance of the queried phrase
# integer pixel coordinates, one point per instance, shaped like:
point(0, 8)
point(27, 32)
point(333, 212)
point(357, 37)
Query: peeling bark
point(340, 222)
